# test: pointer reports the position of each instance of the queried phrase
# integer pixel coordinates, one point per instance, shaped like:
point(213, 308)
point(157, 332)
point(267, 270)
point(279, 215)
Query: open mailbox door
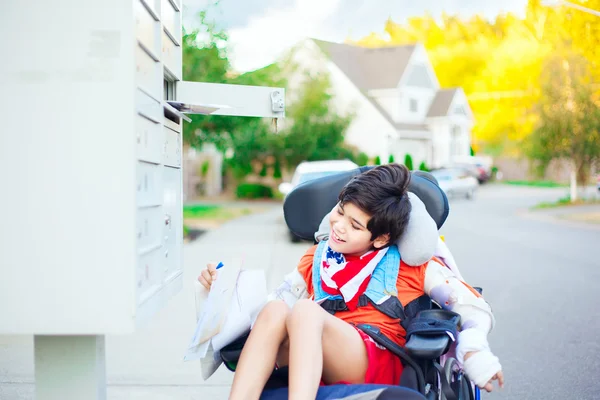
point(233, 100)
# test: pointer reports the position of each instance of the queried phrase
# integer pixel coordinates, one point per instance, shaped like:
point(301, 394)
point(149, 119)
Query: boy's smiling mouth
point(336, 238)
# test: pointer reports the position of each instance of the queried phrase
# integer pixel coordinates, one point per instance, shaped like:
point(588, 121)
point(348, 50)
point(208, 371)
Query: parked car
point(456, 182)
point(309, 170)
point(479, 167)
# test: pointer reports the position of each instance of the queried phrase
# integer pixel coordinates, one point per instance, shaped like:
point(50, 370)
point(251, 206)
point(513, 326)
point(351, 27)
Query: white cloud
point(264, 37)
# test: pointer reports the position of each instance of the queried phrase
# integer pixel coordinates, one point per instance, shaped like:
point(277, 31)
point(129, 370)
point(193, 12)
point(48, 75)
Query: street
point(540, 275)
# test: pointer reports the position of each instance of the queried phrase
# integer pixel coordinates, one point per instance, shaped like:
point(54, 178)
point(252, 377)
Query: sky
point(260, 30)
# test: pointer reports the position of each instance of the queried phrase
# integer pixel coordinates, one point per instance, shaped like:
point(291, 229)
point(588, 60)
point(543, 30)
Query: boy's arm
point(477, 320)
point(297, 284)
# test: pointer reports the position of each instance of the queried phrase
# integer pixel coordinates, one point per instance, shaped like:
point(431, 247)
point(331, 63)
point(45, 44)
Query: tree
point(569, 118)
point(423, 167)
point(391, 159)
point(277, 169)
point(377, 160)
point(316, 131)
point(408, 162)
point(361, 159)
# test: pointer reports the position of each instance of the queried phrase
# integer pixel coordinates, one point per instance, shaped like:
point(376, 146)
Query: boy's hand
point(208, 276)
point(489, 386)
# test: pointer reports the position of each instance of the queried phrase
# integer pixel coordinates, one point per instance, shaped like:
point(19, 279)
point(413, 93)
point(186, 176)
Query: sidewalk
point(583, 216)
point(149, 364)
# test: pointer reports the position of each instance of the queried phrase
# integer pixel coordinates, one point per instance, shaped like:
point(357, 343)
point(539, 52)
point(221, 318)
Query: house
point(396, 99)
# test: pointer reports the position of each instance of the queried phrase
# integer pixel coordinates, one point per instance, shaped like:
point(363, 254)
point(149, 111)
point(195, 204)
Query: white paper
point(245, 293)
point(215, 308)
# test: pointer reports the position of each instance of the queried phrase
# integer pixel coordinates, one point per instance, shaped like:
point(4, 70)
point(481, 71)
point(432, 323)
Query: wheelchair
point(430, 372)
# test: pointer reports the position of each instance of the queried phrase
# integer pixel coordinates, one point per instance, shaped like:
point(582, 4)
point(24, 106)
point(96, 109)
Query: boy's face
point(349, 234)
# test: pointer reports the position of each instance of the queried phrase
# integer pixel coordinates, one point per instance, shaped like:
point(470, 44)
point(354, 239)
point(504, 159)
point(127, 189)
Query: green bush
point(408, 162)
point(277, 169)
point(391, 159)
point(263, 171)
point(204, 168)
point(253, 191)
point(423, 167)
point(377, 160)
point(362, 159)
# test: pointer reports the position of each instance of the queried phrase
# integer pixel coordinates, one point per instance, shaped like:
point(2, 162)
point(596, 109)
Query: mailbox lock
point(167, 219)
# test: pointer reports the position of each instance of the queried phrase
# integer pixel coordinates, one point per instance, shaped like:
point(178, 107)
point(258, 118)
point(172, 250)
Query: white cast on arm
point(291, 290)
point(477, 321)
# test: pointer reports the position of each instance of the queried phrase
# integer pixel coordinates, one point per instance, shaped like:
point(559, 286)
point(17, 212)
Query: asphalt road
point(542, 278)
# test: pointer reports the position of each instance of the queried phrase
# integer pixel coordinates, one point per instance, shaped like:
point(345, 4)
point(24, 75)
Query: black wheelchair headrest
point(306, 205)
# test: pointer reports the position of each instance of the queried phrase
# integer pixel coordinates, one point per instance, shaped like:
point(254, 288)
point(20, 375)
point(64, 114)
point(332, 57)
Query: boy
point(358, 276)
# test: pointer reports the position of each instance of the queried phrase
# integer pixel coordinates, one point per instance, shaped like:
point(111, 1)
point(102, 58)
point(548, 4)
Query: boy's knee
point(304, 311)
point(274, 312)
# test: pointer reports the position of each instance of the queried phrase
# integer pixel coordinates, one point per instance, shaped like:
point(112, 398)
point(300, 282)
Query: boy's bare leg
point(322, 345)
point(257, 360)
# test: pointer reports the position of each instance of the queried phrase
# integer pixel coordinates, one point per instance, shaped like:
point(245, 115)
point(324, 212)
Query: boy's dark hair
point(381, 193)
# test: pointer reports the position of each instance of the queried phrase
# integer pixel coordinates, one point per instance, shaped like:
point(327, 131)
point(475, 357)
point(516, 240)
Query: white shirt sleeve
point(291, 290)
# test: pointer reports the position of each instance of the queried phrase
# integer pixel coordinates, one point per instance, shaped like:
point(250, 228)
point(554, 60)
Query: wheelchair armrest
point(431, 332)
point(428, 347)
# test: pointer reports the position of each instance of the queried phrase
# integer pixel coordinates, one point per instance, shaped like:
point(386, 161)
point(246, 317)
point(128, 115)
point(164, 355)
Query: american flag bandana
point(348, 278)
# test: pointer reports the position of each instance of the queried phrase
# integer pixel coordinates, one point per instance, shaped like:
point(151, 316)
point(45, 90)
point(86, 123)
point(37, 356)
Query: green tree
point(377, 160)
point(316, 132)
point(569, 118)
point(361, 159)
point(263, 171)
point(277, 169)
point(391, 159)
point(408, 162)
point(423, 167)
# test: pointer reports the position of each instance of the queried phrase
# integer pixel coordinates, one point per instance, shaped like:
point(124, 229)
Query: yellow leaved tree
point(498, 63)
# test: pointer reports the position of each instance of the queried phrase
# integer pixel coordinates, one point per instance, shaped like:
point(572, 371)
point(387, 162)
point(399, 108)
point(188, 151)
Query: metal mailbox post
point(92, 102)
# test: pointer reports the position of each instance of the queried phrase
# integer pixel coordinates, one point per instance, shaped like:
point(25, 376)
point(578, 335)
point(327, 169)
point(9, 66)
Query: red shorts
point(384, 367)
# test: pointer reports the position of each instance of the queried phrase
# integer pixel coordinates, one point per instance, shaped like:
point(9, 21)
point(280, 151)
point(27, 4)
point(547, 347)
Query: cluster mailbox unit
point(93, 103)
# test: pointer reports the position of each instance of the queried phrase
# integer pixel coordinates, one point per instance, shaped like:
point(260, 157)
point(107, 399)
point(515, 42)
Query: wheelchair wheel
point(458, 381)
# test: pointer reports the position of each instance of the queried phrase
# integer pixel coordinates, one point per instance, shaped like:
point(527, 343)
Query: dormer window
point(413, 105)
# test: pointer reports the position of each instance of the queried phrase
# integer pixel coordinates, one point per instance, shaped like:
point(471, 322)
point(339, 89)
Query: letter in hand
point(209, 275)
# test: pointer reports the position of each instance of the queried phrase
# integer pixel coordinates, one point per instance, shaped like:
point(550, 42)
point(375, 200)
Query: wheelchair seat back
point(305, 207)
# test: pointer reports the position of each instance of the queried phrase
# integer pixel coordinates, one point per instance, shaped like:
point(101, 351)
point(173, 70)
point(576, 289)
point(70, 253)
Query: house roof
point(382, 68)
point(368, 68)
point(441, 103)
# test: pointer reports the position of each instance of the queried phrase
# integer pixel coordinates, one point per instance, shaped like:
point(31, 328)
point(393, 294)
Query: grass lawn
point(565, 202)
point(213, 212)
point(545, 184)
point(203, 217)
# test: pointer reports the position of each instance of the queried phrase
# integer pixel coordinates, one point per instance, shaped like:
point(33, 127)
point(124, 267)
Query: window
point(413, 105)
point(460, 110)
